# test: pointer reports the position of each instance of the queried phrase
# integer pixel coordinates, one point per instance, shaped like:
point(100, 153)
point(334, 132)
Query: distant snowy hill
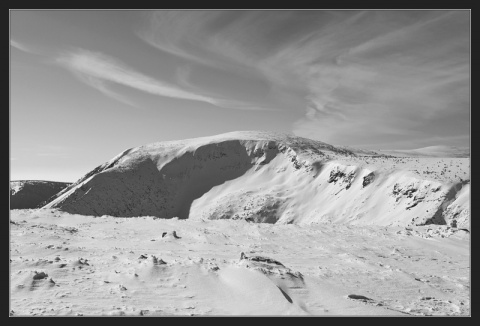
point(431, 151)
point(273, 178)
point(25, 194)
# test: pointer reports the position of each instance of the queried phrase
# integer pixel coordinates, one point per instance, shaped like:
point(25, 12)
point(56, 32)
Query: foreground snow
point(63, 264)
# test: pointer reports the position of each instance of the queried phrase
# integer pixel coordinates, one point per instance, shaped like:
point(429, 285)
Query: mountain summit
point(273, 178)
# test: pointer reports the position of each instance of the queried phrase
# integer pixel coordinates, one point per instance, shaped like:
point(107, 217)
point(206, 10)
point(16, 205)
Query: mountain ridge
point(28, 194)
point(273, 178)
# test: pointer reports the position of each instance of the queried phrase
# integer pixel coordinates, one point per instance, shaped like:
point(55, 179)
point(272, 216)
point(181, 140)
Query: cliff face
point(27, 194)
point(272, 178)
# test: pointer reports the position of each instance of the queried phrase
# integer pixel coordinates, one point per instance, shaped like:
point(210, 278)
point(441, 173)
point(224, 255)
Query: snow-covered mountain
point(431, 151)
point(26, 194)
point(273, 178)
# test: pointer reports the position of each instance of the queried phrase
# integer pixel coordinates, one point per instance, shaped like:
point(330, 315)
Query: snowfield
point(137, 266)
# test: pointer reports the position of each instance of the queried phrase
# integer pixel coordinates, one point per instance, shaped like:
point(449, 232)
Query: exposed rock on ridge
point(264, 177)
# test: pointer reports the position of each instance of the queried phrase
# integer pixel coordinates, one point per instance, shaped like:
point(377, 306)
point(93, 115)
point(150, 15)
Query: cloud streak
point(22, 47)
point(364, 76)
point(102, 86)
point(97, 69)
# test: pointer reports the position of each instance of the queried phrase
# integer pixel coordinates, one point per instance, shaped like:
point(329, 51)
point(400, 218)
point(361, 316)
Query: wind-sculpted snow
point(273, 178)
point(74, 265)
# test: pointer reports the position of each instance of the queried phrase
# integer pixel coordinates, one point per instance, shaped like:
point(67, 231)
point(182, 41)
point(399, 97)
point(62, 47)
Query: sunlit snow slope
point(273, 178)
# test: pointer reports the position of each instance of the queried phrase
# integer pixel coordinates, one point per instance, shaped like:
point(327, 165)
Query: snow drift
point(272, 178)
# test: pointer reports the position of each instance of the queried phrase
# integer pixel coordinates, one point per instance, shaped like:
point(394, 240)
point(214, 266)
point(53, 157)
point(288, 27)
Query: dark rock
point(368, 179)
point(82, 261)
point(359, 297)
point(349, 179)
point(261, 259)
point(335, 175)
point(285, 295)
point(157, 261)
point(40, 276)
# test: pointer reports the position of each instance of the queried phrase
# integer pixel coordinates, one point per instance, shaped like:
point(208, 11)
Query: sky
point(87, 84)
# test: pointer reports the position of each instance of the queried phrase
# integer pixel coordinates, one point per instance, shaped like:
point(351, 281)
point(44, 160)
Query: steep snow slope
point(273, 178)
point(26, 194)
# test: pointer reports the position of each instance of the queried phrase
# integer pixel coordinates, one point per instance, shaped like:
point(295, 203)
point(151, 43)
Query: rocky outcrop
point(454, 209)
point(268, 265)
point(261, 177)
point(164, 179)
point(368, 179)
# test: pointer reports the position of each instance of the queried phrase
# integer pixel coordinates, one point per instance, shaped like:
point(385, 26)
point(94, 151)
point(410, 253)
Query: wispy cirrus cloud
point(183, 78)
point(391, 84)
point(98, 70)
point(102, 86)
point(22, 47)
point(364, 76)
